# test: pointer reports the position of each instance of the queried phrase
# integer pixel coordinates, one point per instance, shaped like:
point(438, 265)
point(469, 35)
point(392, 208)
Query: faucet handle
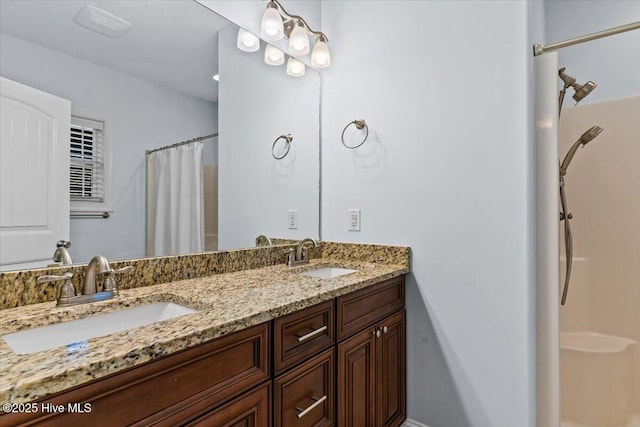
point(109, 282)
point(124, 269)
point(52, 278)
point(67, 289)
point(63, 244)
point(292, 256)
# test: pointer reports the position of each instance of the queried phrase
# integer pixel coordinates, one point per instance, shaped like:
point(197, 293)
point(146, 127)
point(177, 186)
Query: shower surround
point(600, 323)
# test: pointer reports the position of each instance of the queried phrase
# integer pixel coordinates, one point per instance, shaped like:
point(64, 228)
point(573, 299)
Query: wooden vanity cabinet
point(369, 388)
point(340, 362)
point(169, 391)
point(372, 362)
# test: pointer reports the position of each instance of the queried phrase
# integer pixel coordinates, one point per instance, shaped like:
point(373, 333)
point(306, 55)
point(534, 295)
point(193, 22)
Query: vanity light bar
point(278, 23)
point(289, 21)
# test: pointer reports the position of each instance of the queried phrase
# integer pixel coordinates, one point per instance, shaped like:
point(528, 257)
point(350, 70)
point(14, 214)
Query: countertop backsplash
point(19, 288)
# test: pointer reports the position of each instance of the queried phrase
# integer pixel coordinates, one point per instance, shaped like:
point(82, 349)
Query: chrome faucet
point(300, 256)
point(62, 254)
point(97, 266)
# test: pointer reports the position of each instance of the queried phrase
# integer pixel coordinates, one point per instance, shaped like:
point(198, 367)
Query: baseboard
point(412, 423)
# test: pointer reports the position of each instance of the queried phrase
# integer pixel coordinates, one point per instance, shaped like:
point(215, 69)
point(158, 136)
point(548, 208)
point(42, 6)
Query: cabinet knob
point(385, 329)
point(377, 333)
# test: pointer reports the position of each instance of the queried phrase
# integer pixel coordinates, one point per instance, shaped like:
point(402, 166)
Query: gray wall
point(144, 115)
point(447, 171)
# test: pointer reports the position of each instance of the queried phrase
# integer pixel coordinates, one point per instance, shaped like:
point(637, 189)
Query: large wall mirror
point(153, 87)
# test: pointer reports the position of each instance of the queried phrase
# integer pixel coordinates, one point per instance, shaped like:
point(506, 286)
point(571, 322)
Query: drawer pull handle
point(317, 402)
point(312, 334)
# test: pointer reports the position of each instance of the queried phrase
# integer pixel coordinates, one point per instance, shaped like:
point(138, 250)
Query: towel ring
point(288, 137)
point(360, 124)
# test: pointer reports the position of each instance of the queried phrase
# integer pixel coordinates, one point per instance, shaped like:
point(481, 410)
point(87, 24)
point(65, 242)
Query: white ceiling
point(173, 43)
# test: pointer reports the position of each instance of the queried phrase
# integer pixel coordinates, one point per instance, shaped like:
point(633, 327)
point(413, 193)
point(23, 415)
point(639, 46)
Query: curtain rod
point(539, 49)
point(178, 144)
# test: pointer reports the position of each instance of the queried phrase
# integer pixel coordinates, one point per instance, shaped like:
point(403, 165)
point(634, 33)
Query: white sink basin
point(74, 334)
point(328, 272)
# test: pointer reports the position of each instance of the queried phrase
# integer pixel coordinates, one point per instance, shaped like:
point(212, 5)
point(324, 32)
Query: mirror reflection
point(139, 77)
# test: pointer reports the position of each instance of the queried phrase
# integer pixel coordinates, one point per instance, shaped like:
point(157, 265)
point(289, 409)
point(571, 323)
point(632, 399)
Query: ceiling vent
point(102, 22)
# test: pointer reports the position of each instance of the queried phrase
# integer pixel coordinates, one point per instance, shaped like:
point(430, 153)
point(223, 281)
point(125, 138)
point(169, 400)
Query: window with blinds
point(87, 186)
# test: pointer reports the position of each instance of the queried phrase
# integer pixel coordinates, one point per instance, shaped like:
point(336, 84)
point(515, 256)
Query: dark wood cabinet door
point(305, 396)
point(249, 410)
point(356, 380)
point(391, 371)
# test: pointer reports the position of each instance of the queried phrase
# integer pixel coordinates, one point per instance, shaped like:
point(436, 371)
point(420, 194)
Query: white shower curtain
point(179, 224)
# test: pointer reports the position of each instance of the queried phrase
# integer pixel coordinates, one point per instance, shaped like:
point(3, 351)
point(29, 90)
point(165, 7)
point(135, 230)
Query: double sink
point(74, 334)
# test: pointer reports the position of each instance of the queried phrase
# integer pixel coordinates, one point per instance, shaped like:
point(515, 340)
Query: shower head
point(581, 91)
point(589, 135)
point(585, 138)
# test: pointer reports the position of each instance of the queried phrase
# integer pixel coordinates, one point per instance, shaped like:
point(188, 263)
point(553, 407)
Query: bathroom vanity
point(267, 346)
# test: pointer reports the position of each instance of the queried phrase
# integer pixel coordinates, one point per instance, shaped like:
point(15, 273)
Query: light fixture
point(216, 77)
point(298, 40)
point(295, 68)
point(276, 23)
point(102, 22)
point(247, 41)
point(272, 28)
point(273, 55)
point(320, 56)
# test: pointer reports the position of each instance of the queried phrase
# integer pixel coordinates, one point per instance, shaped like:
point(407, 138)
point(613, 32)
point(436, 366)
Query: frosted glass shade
point(298, 41)
point(273, 55)
point(247, 41)
point(272, 28)
point(295, 68)
point(320, 56)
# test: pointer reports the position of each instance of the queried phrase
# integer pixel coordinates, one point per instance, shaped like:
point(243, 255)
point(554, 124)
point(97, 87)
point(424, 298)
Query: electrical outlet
point(354, 220)
point(293, 220)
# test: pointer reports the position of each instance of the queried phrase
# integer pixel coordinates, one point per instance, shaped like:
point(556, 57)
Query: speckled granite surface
point(19, 288)
point(367, 253)
point(227, 302)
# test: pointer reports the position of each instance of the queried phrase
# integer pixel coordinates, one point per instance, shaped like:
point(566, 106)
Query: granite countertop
point(225, 302)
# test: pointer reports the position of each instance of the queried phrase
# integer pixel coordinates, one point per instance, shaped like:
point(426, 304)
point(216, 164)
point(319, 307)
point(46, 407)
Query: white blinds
point(87, 160)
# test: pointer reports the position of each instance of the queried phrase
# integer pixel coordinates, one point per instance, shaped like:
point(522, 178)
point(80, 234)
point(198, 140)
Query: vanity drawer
point(365, 307)
point(302, 334)
point(251, 409)
point(305, 396)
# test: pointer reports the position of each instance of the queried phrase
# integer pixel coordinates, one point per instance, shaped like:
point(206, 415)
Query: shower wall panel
point(603, 191)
